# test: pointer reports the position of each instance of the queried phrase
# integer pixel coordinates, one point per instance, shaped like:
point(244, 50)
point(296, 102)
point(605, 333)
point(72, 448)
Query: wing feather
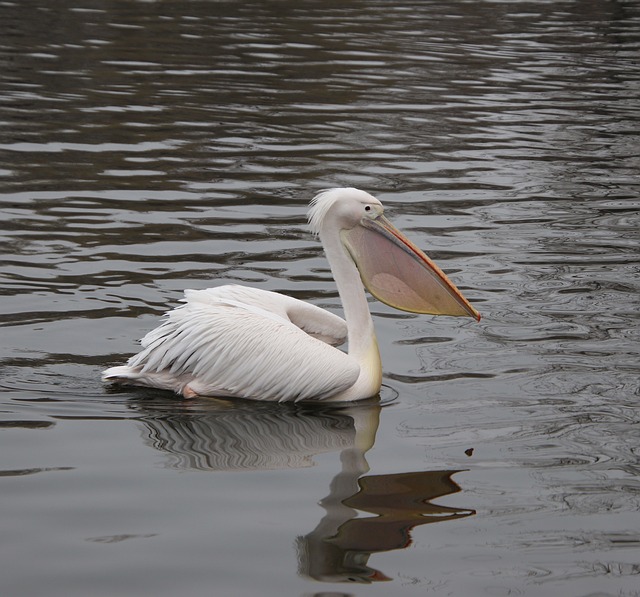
point(229, 346)
point(315, 321)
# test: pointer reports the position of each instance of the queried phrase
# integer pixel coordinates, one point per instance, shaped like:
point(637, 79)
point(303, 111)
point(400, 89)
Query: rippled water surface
point(148, 147)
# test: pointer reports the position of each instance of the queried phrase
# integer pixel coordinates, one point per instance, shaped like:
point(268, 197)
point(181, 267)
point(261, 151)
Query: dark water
point(148, 147)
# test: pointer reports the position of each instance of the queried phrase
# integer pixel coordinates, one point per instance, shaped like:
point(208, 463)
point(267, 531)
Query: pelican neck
point(360, 328)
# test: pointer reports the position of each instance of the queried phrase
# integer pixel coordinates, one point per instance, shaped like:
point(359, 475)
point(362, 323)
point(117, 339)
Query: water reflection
point(217, 435)
point(338, 549)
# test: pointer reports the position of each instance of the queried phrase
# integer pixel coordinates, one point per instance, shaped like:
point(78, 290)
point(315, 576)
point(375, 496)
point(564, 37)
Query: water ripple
point(150, 147)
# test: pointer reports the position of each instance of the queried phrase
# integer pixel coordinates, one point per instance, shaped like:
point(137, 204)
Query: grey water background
point(147, 147)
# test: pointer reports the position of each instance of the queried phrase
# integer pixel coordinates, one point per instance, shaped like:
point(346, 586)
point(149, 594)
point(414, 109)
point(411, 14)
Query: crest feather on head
point(324, 201)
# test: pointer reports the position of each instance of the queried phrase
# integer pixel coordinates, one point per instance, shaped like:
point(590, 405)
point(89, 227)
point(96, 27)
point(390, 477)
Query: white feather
point(239, 341)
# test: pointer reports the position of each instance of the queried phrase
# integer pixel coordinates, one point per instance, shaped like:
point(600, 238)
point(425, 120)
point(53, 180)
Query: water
point(148, 147)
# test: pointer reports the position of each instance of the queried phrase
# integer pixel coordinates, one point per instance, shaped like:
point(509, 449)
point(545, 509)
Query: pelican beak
point(399, 274)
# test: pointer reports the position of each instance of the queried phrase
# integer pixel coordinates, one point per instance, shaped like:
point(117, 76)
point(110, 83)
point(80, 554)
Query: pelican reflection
point(219, 435)
point(365, 514)
point(338, 549)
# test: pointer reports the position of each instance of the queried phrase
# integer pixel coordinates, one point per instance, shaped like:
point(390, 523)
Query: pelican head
point(391, 267)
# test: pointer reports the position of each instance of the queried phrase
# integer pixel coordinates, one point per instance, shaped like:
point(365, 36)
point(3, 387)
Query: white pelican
point(234, 341)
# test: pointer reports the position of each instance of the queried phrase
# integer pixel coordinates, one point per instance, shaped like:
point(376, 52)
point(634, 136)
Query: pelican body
point(235, 341)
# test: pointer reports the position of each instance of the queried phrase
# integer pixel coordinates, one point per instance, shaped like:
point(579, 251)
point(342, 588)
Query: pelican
point(238, 342)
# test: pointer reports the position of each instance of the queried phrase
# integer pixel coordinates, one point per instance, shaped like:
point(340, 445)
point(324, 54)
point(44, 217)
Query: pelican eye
point(367, 208)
